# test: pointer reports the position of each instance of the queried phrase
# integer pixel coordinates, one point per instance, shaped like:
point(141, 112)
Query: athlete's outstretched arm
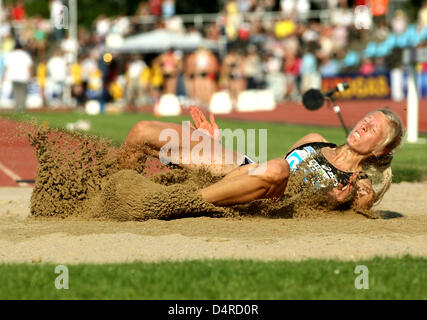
point(219, 160)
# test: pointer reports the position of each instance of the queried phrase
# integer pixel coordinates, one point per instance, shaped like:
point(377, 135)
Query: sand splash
point(86, 177)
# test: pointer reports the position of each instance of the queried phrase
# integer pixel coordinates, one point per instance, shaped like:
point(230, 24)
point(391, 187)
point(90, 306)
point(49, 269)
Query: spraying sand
point(81, 176)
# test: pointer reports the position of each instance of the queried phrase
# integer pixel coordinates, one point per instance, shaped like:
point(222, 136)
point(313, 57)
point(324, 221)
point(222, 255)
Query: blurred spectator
point(340, 36)
point(311, 32)
point(286, 53)
point(143, 9)
point(284, 28)
point(329, 67)
point(168, 8)
point(326, 43)
point(367, 67)
point(40, 33)
point(310, 78)
point(288, 8)
point(275, 79)
point(156, 7)
point(181, 89)
point(89, 65)
point(77, 85)
point(380, 65)
point(303, 10)
point(244, 5)
point(205, 69)
point(102, 27)
point(156, 78)
point(379, 9)
point(57, 72)
point(233, 74)
point(41, 76)
point(253, 69)
point(135, 92)
point(232, 21)
point(175, 24)
point(213, 32)
point(422, 15)
point(7, 44)
point(2, 64)
point(95, 85)
point(399, 22)
point(170, 69)
point(291, 69)
point(190, 75)
point(18, 13)
point(120, 25)
point(382, 30)
point(18, 71)
point(340, 15)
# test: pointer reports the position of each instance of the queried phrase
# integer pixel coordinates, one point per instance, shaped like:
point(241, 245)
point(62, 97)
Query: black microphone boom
point(314, 99)
point(339, 88)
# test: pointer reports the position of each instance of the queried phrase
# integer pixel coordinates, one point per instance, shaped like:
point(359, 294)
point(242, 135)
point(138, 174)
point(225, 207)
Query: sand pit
point(401, 230)
point(87, 206)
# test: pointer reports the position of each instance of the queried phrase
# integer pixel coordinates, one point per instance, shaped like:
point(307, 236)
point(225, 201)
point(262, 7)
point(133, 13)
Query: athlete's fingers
point(342, 192)
point(195, 116)
point(195, 108)
point(212, 119)
point(353, 177)
point(202, 116)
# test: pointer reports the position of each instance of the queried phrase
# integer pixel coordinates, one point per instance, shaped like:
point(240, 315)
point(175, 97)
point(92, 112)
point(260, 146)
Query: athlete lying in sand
point(367, 151)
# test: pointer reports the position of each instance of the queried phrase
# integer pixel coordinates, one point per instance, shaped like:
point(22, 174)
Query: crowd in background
point(288, 52)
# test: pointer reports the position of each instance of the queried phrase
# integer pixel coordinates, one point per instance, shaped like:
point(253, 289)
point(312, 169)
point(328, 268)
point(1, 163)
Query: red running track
point(17, 160)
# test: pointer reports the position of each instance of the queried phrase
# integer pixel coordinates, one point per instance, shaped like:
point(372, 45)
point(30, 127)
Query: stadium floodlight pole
point(412, 107)
point(73, 28)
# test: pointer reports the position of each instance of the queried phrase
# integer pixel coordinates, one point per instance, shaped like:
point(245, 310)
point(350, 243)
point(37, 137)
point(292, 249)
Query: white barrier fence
point(248, 101)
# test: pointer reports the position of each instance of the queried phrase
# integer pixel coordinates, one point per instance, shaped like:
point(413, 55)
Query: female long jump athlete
point(369, 148)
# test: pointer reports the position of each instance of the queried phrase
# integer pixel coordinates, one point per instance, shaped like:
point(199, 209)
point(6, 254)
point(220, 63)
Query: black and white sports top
point(317, 162)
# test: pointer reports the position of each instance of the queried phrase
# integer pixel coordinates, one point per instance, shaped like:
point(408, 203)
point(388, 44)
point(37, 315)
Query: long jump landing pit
point(402, 229)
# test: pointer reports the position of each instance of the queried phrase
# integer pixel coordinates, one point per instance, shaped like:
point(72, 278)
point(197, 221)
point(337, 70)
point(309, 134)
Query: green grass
point(391, 278)
point(410, 163)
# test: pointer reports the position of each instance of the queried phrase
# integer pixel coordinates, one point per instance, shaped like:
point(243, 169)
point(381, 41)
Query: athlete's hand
point(365, 195)
point(201, 122)
point(341, 193)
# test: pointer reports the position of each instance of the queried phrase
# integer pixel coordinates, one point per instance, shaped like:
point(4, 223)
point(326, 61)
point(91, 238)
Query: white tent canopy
point(162, 40)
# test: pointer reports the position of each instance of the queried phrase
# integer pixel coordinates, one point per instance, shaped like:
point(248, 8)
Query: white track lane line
point(12, 175)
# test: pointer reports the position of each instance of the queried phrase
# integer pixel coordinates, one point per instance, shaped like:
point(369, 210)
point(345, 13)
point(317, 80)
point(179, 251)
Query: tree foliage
point(89, 10)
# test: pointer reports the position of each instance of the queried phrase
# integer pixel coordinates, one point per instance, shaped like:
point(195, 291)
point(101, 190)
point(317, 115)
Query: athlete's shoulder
point(309, 138)
point(314, 137)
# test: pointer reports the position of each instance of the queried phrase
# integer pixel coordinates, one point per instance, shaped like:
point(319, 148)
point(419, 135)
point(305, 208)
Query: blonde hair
point(378, 169)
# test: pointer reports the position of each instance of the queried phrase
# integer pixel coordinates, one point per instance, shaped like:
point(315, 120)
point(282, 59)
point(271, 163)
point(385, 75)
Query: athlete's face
point(369, 134)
